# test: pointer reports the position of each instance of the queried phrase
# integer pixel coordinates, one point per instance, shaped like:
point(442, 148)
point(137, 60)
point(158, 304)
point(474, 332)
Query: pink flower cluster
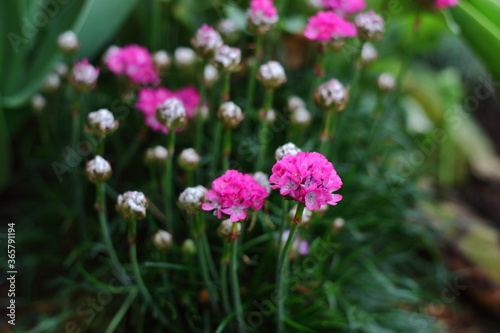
point(327, 26)
point(150, 98)
point(442, 4)
point(342, 7)
point(233, 194)
point(135, 62)
point(263, 8)
point(307, 177)
point(84, 75)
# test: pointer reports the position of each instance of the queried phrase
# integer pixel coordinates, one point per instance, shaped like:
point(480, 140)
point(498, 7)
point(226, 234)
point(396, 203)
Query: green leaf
point(5, 153)
point(489, 8)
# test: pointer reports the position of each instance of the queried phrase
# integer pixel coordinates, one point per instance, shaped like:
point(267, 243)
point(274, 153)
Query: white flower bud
point(132, 205)
point(189, 159)
point(295, 102)
point(184, 57)
point(191, 199)
point(315, 4)
point(210, 75)
point(61, 69)
point(228, 30)
point(84, 76)
point(38, 103)
point(156, 155)
point(102, 123)
point(301, 117)
point(370, 26)
point(285, 150)
point(188, 247)
point(161, 60)
point(112, 49)
point(262, 179)
point(171, 113)
point(338, 224)
point(331, 95)
point(98, 170)
point(225, 230)
point(306, 215)
point(206, 41)
point(271, 75)
point(51, 83)
point(267, 115)
point(227, 58)
point(230, 114)
point(386, 82)
point(68, 42)
point(368, 54)
point(162, 240)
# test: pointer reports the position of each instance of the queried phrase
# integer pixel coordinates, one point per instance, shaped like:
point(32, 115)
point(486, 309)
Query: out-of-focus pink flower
point(233, 194)
point(262, 16)
point(84, 76)
point(307, 177)
point(298, 246)
point(345, 6)
point(206, 41)
point(442, 4)
point(150, 98)
point(135, 62)
point(328, 26)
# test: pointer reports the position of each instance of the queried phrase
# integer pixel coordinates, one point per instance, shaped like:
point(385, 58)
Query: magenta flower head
point(262, 16)
point(443, 4)
point(233, 194)
point(84, 76)
point(135, 62)
point(206, 41)
point(344, 7)
point(330, 29)
point(308, 178)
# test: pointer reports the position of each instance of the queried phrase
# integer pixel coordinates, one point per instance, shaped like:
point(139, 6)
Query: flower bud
point(370, 26)
point(162, 240)
point(338, 224)
point(227, 58)
point(225, 230)
point(262, 179)
point(61, 69)
point(184, 57)
point(301, 118)
point(268, 115)
point(204, 112)
point(285, 150)
point(102, 123)
point(189, 159)
point(315, 5)
point(230, 114)
point(110, 51)
point(132, 205)
point(188, 247)
point(161, 60)
point(331, 95)
point(206, 41)
point(228, 30)
point(38, 103)
point(369, 54)
point(98, 170)
point(210, 75)
point(262, 16)
point(156, 156)
point(306, 215)
point(271, 75)
point(295, 102)
point(191, 199)
point(386, 82)
point(171, 113)
point(51, 83)
point(68, 42)
point(84, 76)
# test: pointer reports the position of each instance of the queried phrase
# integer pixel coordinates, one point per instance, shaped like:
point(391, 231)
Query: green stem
point(259, 42)
point(263, 137)
point(234, 278)
point(75, 113)
point(216, 148)
point(169, 182)
point(100, 147)
point(101, 211)
point(284, 213)
point(156, 32)
point(283, 267)
point(199, 117)
point(327, 134)
point(226, 88)
point(121, 312)
point(190, 178)
point(224, 263)
point(226, 149)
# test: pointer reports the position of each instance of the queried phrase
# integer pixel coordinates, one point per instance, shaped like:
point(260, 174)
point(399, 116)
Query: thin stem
point(283, 267)
point(216, 149)
point(199, 117)
point(121, 312)
point(234, 278)
point(263, 137)
point(259, 42)
point(226, 148)
point(75, 127)
point(156, 32)
point(327, 133)
point(284, 212)
point(169, 183)
point(224, 263)
point(190, 178)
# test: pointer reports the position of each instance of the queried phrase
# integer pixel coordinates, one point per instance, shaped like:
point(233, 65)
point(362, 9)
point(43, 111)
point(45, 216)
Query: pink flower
point(307, 177)
point(262, 16)
point(298, 246)
point(327, 26)
point(84, 76)
point(206, 40)
point(233, 194)
point(345, 6)
point(150, 98)
point(135, 62)
point(442, 4)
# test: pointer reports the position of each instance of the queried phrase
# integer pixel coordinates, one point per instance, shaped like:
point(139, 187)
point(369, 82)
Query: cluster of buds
point(172, 114)
point(230, 114)
point(161, 60)
point(101, 123)
point(225, 230)
point(331, 95)
point(184, 57)
point(271, 75)
point(192, 198)
point(206, 41)
point(228, 30)
point(132, 205)
point(227, 58)
point(162, 240)
point(98, 170)
point(370, 26)
point(84, 76)
point(262, 16)
point(369, 54)
point(285, 150)
point(156, 156)
point(386, 82)
point(68, 42)
point(189, 159)
point(299, 115)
